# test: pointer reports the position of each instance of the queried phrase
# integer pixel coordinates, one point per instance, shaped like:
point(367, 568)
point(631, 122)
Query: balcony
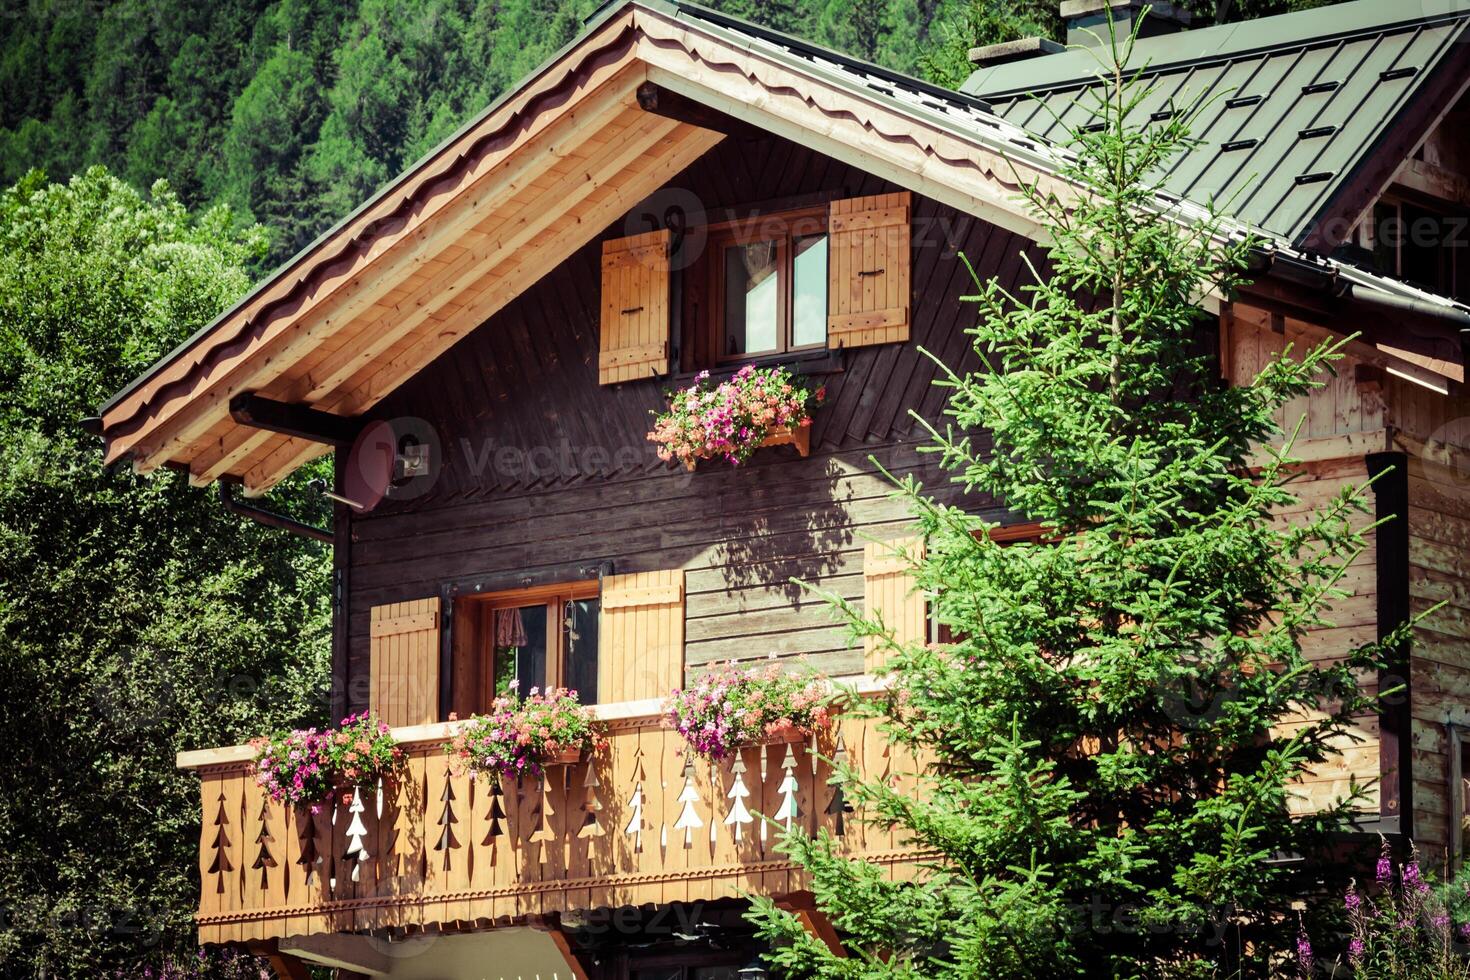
point(639, 824)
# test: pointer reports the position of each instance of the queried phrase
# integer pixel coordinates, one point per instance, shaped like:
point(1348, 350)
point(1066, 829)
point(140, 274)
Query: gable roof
point(1298, 107)
point(541, 172)
point(537, 175)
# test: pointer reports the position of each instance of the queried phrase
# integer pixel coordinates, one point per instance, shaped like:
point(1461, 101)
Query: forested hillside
point(295, 111)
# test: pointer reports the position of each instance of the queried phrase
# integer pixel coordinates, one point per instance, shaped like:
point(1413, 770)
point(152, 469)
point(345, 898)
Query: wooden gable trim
point(455, 239)
point(432, 185)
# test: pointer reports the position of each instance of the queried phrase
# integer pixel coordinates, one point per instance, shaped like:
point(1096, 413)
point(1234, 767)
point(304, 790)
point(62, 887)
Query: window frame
point(1454, 261)
point(483, 606)
point(784, 227)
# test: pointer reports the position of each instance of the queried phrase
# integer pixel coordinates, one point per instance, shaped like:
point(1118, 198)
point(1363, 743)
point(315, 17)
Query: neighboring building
point(496, 325)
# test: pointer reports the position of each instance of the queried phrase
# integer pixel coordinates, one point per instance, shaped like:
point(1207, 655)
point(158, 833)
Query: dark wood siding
point(544, 468)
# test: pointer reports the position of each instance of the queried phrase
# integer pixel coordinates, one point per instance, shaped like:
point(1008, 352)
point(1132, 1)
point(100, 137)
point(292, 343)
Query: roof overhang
point(518, 190)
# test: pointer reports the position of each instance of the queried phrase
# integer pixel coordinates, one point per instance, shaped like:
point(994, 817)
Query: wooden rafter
point(339, 308)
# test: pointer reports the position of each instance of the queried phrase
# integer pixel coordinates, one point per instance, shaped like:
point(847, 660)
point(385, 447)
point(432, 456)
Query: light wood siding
point(868, 270)
point(642, 636)
point(889, 593)
point(635, 308)
point(1352, 621)
point(1345, 404)
point(404, 652)
point(1439, 665)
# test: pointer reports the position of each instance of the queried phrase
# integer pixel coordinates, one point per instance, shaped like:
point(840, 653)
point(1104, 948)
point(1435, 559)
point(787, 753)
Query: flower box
point(756, 407)
point(523, 737)
point(799, 436)
point(732, 708)
point(791, 736)
point(310, 767)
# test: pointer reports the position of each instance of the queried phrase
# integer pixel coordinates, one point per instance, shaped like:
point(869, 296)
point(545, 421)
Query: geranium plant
point(733, 706)
point(522, 737)
point(733, 418)
point(308, 766)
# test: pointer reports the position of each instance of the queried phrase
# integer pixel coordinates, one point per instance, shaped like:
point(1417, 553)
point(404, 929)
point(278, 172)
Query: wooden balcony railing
point(640, 823)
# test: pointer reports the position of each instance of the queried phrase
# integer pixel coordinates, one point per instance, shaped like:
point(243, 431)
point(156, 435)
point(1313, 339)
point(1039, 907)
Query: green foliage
point(1404, 928)
point(295, 111)
point(1115, 729)
point(138, 618)
point(966, 24)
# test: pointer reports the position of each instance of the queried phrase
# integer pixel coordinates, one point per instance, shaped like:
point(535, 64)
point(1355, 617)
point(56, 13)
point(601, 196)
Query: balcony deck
point(638, 824)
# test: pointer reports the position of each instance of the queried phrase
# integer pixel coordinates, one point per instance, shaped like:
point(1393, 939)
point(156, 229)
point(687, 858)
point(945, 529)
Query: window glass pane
point(520, 648)
point(579, 625)
point(1385, 237)
point(809, 293)
point(1422, 251)
point(751, 298)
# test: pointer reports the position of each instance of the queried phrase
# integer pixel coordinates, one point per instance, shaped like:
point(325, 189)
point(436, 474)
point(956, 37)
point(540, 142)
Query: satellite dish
point(369, 470)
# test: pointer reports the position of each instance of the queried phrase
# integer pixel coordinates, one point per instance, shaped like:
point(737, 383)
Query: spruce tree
point(1116, 726)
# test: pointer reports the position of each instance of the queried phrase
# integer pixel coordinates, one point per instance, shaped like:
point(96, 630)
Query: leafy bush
point(734, 417)
point(140, 619)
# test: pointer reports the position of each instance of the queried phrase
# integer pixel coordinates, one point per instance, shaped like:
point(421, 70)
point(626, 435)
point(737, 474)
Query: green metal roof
point(1296, 104)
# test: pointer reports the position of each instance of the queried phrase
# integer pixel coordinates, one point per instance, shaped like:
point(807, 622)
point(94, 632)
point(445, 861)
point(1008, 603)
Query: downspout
point(269, 518)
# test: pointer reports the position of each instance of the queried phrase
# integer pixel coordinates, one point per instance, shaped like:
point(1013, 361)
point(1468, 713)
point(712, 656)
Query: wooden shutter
point(889, 590)
point(868, 261)
point(635, 308)
point(404, 662)
point(641, 652)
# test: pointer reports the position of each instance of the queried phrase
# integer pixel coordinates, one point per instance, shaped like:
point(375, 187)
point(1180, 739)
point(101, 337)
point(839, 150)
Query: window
point(1422, 246)
point(770, 285)
point(539, 637)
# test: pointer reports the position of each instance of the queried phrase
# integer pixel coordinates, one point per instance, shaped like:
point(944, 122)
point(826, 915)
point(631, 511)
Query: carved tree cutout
point(306, 835)
point(400, 836)
point(264, 859)
point(636, 823)
point(739, 815)
point(496, 814)
point(332, 867)
point(356, 853)
point(688, 818)
point(447, 841)
point(789, 809)
point(838, 807)
point(543, 834)
point(591, 805)
point(221, 864)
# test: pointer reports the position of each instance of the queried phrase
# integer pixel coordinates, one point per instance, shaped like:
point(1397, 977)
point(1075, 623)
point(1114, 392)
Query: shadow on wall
point(799, 531)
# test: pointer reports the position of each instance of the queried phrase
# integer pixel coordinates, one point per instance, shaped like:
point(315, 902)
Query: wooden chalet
point(496, 325)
